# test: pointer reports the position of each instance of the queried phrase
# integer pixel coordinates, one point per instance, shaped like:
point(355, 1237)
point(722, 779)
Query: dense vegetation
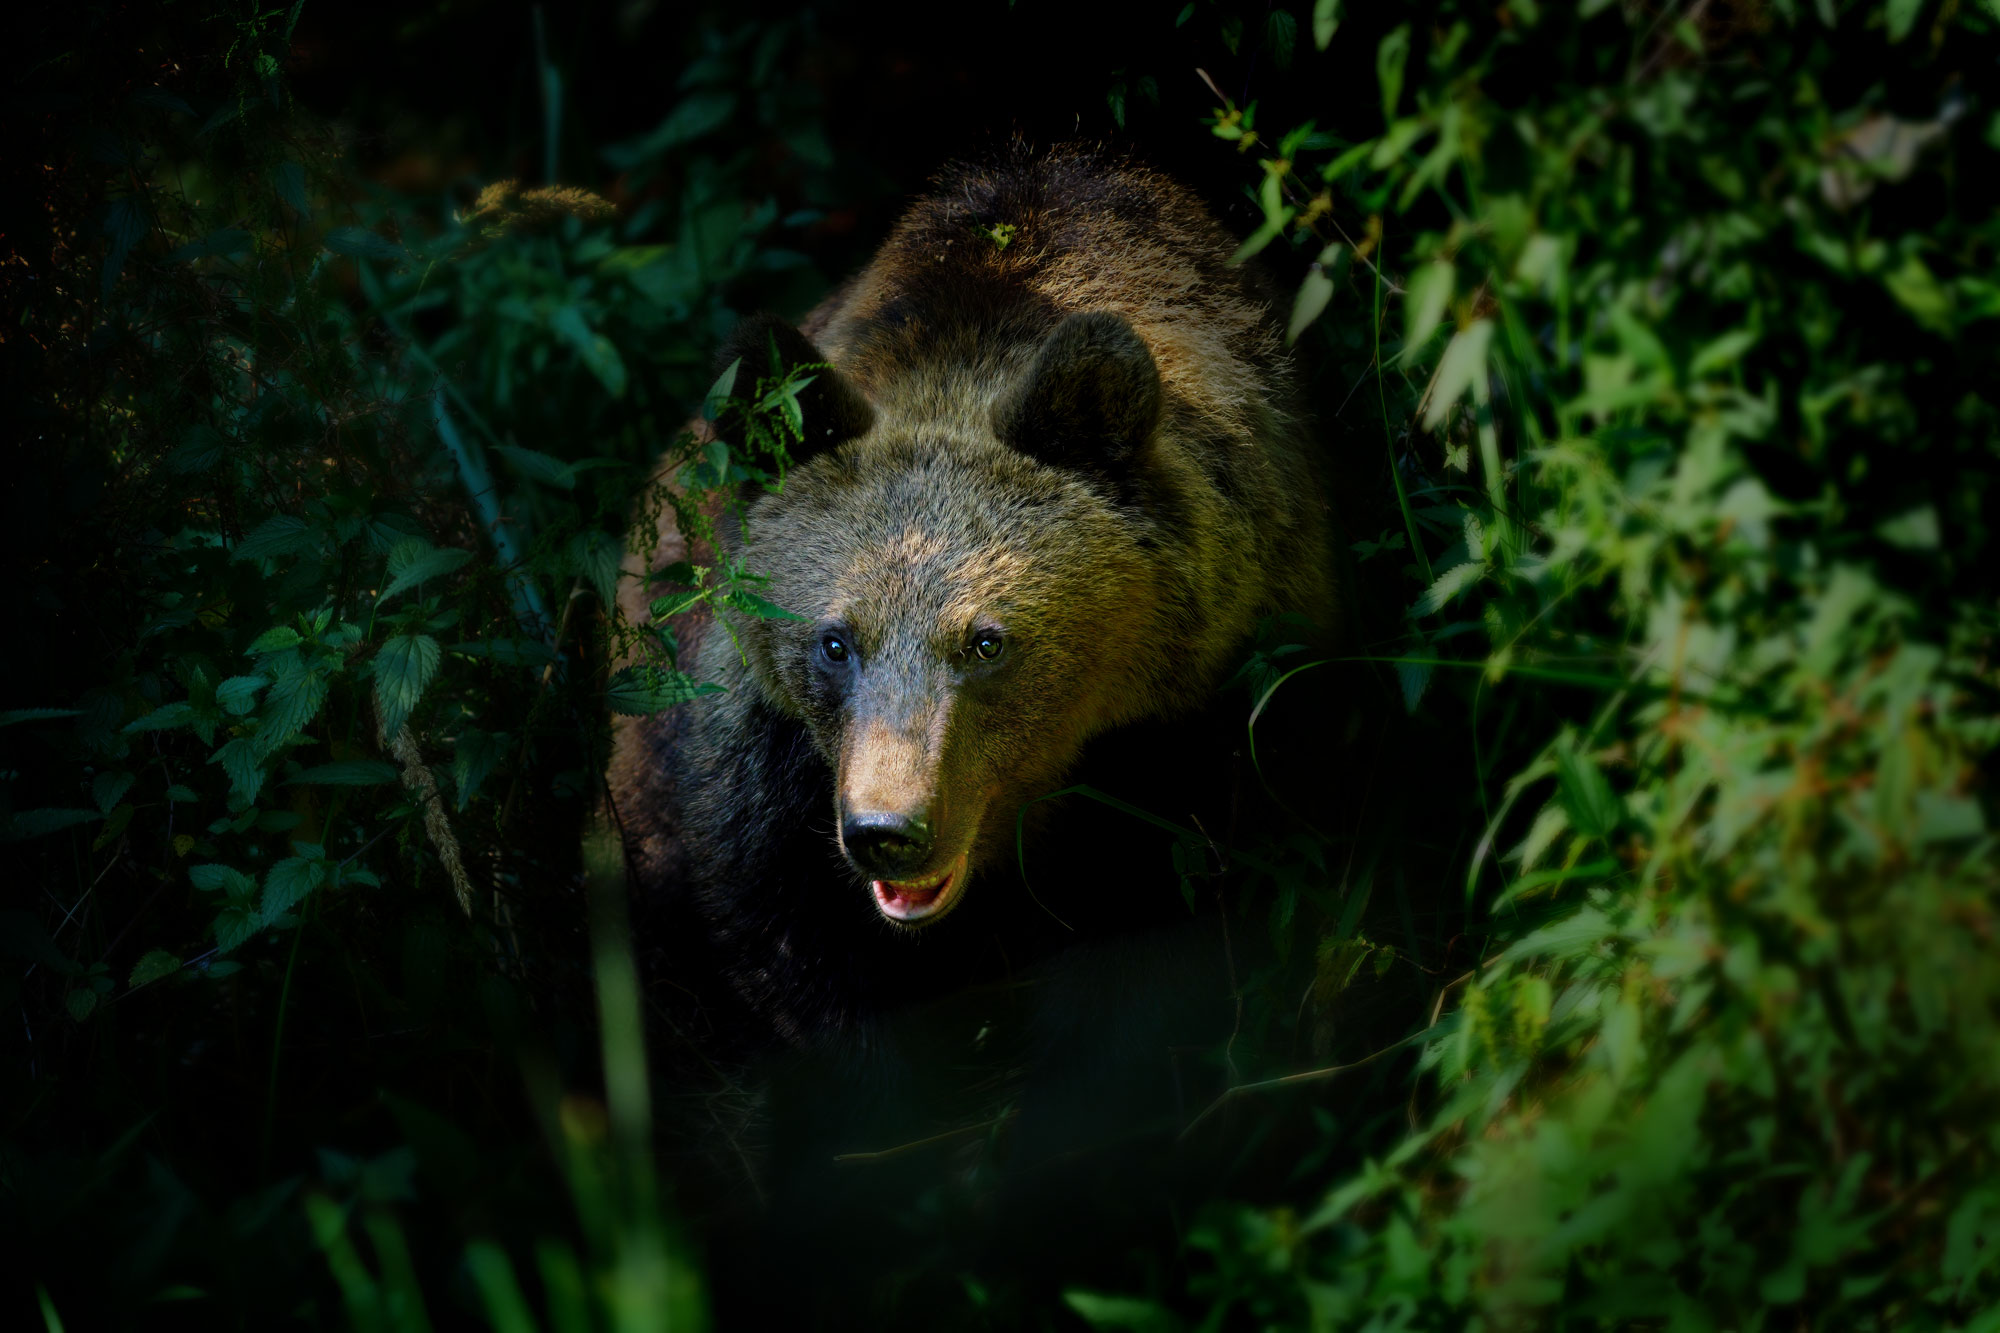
point(1649, 979)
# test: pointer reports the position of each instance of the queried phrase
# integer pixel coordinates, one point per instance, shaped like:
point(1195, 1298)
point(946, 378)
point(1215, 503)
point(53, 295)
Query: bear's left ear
point(834, 409)
point(1091, 400)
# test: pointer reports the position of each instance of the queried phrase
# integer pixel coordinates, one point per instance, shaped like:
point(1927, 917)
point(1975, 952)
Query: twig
point(1287, 1080)
point(962, 1132)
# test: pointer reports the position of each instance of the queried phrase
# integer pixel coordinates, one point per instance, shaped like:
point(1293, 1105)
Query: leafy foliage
point(1689, 406)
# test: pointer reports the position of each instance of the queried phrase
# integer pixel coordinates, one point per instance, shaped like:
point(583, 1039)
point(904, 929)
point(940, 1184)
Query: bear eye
point(987, 645)
point(834, 646)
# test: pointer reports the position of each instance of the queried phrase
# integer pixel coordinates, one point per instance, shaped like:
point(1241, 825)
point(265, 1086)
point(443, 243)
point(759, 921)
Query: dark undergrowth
point(1634, 964)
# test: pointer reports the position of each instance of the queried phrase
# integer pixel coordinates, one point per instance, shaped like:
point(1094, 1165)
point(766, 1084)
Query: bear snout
point(887, 844)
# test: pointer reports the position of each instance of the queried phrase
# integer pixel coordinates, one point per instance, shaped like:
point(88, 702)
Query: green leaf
point(1903, 17)
point(475, 754)
point(289, 179)
point(1461, 366)
point(212, 878)
point(1281, 37)
point(404, 667)
point(287, 883)
point(1448, 586)
point(107, 789)
point(701, 114)
point(1316, 291)
point(283, 535)
point(413, 561)
point(238, 694)
point(675, 603)
point(1424, 301)
point(223, 243)
point(80, 1002)
point(346, 773)
point(1594, 810)
point(508, 652)
point(164, 718)
point(1390, 58)
point(643, 690)
point(244, 764)
point(363, 244)
point(17, 715)
point(27, 824)
point(750, 604)
point(235, 925)
point(596, 350)
point(1326, 21)
point(1914, 531)
point(273, 640)
point(297, 692)
point(1129, 1313)
point(538, 466)
point(597, 556)
point(152, 966)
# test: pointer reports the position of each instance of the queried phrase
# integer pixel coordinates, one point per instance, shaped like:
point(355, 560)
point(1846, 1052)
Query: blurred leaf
point(346, 773)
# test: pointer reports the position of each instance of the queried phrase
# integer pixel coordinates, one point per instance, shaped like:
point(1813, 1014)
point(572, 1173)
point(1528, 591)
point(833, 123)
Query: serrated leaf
point(17, 715)
point(414, 561)
point(597, 556)
point(243, 763)
point(675, 603)
point(643, 690)
point(213, 878)
point(238, 694)
point(80, 1002)
point(363, 244)
point(1413, 678)
point(346, 773)
point(538, 466)
point(1448, 585)
point(40, 823)
point(404, 667)
point(1463, 362)
point(107, 789)
point(294, 700)
point(235, 925)
point(283, 535)
point(177, 792)
point(474, 756)
point(288, 882)
point(200, 449)
point(276, 639)
point(164, 718)
point(750, 604)
point(153, 965)
point(1281, 37)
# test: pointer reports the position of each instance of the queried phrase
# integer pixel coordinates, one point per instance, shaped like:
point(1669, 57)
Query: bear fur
point(1048, 490)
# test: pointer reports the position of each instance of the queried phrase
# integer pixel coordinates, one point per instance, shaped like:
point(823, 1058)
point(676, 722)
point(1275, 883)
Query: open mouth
point(924, 899)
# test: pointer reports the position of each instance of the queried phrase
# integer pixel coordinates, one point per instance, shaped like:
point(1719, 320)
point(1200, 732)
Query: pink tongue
point(901, 894)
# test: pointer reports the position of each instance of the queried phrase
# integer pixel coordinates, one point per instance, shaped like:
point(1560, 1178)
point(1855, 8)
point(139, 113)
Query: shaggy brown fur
point(1078, 450)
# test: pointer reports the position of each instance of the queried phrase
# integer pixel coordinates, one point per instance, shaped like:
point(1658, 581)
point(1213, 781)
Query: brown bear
point(1053, 480)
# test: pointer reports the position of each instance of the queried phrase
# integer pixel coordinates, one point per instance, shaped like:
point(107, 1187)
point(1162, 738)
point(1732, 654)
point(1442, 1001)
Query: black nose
point(887, 844)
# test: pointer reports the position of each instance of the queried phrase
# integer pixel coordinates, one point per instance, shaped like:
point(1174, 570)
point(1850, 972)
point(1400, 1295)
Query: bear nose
point(887, 844)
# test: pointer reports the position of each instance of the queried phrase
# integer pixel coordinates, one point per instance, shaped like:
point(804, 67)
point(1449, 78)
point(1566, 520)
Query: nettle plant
point(1691, 426)
point(358, 609)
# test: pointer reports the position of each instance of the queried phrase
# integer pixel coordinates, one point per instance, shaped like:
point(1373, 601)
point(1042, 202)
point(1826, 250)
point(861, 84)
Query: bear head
point(978, 564)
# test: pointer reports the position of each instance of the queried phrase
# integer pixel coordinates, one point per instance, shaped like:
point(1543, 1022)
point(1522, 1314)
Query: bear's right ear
point(1092, 399)
point(834, 410)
